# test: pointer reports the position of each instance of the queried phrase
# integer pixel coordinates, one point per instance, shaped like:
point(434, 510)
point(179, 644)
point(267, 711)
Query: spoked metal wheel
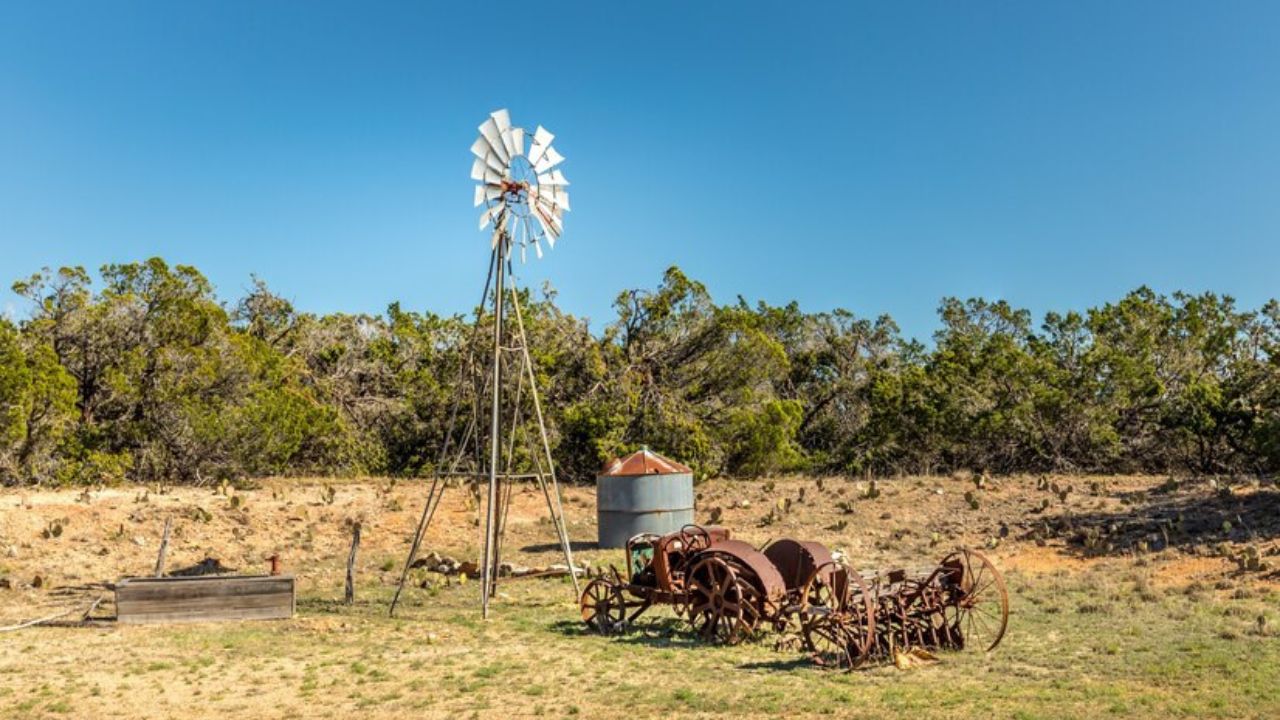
point(724, 606)
point(977, 609)
point(604, 609)
point(837, 617)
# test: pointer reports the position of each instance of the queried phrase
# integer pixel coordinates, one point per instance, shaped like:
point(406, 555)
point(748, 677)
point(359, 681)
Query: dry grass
point(1150, 635)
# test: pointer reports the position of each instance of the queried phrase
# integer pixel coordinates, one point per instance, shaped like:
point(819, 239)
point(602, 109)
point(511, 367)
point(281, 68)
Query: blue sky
point(869, 156)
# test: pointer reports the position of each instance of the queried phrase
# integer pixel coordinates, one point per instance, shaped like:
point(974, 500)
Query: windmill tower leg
point(439, 484)
point(491, 506)
point(553, 493)
point(429, 509)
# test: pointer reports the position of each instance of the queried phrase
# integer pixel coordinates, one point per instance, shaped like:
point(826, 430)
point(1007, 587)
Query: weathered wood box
point(205, 598)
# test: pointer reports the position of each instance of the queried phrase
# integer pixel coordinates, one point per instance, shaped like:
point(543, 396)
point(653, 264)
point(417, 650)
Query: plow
point(728, 590)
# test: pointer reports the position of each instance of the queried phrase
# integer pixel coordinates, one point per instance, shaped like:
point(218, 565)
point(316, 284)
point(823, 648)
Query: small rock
point(5, 584)
point(37, 582)
point(443, 569)
point(139, 542)
point(468, 569)
point(11, 551)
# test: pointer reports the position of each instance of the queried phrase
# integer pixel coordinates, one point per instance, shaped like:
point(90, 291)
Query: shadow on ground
point(574, 545)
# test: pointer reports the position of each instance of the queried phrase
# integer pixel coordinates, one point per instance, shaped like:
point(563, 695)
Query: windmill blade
point(517, 142)
point(552, 196)
point(491, 214)
point(542, 223)
point(546, 201)
point(550, 158)
point(501, 118)
point(541, 141)
point(480, 147)
point(485, 193)
point(543, 136)
point(554, 177)
point(508, 143)
point(550, 222)
point(492, 135)
point(492, 177)
point(557, 224)
point(556, 216)
point(478, 169)
point(495, 162)
point(513, 232)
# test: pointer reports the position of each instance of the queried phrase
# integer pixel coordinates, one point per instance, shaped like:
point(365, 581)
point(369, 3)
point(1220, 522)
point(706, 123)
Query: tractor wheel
point(976, 611)
point(837, 617)
point(603, 607)
point(724, 606)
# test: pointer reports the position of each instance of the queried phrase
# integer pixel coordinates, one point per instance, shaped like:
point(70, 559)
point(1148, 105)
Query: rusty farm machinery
point(727, 590)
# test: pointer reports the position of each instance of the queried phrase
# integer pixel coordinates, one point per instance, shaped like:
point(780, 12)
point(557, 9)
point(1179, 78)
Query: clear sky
point(872, 156)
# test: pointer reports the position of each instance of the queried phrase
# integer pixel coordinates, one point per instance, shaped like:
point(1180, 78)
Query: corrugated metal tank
point(642, 493)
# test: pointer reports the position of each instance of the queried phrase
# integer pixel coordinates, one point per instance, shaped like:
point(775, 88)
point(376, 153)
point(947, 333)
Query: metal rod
point(433, 498)
point(486, 580)
point(504, 483)
point(428, 509)
point(557, 511)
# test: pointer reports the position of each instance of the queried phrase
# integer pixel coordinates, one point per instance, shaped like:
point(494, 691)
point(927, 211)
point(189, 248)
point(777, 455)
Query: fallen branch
point(84, 616)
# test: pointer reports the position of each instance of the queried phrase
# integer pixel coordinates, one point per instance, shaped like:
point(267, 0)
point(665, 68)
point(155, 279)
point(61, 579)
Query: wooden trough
point(206, 598)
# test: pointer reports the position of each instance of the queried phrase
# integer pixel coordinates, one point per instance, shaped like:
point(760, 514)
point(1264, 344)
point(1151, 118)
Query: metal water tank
point(642, 493)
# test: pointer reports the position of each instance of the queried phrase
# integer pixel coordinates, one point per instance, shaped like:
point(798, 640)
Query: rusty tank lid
point(642, 462)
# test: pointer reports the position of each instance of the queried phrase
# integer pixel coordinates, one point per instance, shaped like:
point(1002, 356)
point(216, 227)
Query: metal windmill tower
point(523, 195)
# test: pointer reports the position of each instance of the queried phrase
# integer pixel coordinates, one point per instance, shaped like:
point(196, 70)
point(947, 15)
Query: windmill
point(522, 192)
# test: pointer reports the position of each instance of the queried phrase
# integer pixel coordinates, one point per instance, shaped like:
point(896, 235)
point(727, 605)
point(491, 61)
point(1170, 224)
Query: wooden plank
point(211, 602)
point(226, 587)
point(146, 600)
point(179, 617)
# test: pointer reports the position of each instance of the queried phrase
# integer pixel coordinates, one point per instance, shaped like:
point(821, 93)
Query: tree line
point(146, 375)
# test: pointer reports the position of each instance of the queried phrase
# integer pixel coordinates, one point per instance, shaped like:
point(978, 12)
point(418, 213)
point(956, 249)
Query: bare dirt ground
point(1132, 596)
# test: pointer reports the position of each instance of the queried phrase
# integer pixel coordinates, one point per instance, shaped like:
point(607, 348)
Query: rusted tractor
point(727, 589)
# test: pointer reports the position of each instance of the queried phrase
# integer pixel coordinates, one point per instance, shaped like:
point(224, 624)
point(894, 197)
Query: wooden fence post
point(164, 547)
point(350, 596)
